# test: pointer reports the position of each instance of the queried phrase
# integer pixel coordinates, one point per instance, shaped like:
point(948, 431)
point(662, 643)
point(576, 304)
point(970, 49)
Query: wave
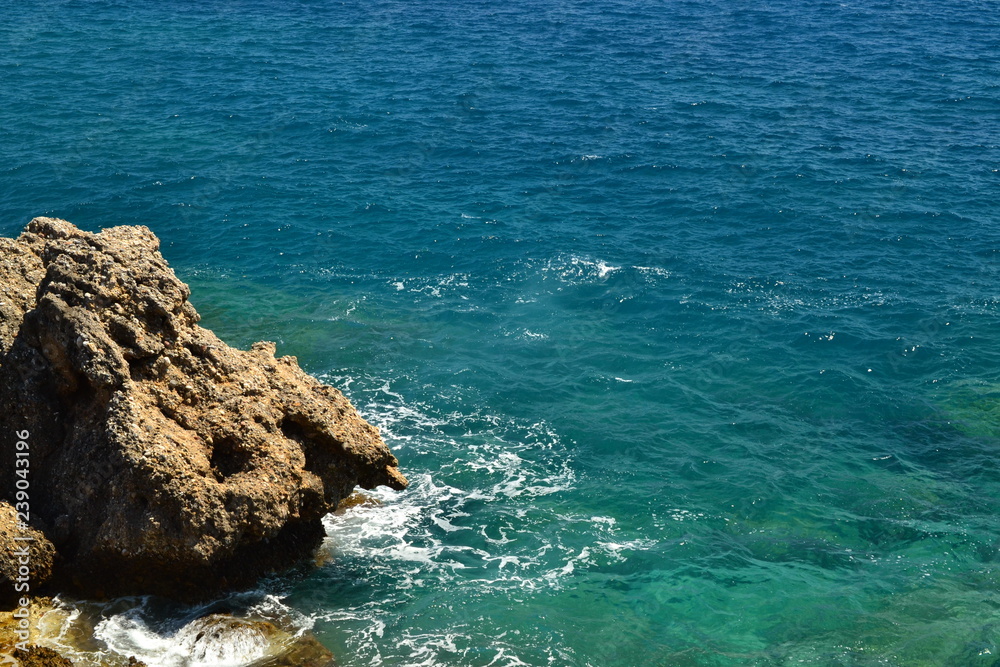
point(490, 526)
point(240, 629)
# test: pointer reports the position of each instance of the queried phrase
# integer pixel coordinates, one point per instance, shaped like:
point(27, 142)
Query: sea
point(681, 316)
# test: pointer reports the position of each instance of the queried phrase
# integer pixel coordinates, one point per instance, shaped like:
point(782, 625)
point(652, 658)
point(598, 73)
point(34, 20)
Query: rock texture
point(162, 460)
point(40, 656)
point(12, 546)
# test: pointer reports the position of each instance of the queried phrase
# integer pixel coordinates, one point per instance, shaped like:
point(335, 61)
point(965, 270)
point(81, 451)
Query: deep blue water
point(680, 316)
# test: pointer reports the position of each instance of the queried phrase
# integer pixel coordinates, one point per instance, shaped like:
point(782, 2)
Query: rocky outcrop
point(162, 460)
point(25, 558)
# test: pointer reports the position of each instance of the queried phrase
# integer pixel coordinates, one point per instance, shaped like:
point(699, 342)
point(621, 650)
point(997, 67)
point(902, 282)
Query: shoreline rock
point(62, 635)
point(38, 560)
point(162, 461)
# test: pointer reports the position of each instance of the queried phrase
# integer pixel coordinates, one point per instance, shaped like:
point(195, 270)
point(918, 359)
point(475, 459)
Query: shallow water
point(681, 317)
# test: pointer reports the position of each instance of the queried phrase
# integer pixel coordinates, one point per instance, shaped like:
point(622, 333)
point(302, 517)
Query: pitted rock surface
point(21, 546)
point(162, 460)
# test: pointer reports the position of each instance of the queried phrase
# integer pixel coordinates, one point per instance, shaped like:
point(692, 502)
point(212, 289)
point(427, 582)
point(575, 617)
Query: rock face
point(162, 460)
point(14, 539)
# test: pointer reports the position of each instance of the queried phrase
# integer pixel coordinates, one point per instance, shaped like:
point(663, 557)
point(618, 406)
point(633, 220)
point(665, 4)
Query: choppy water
point(680, 316)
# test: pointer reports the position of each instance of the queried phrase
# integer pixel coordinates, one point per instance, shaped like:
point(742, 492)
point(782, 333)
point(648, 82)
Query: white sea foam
point(134, 627)
point(434, 286)
point(477, 526)
point(576, 269)
point(653, 270)
point(776, 296)
point(619, 550)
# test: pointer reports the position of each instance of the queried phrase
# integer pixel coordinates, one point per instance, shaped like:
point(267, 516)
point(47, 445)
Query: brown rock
point(40, 656)
point(162, 460)
point(304, 651)
point(225, 639)
point(13, 536)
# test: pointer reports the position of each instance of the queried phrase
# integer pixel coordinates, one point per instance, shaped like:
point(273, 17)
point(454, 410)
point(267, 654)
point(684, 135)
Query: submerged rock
point(162, 460)
point(224, 639)
point(214, 639)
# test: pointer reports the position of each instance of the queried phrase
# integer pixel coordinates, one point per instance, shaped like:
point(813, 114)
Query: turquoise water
point(681, 317)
